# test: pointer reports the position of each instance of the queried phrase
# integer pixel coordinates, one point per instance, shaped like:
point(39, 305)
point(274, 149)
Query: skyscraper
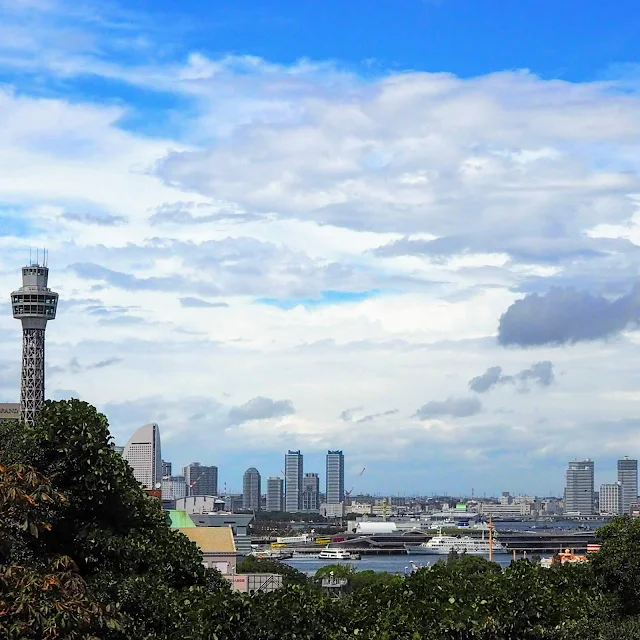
point(293, 481)
point(274, 494)
point(311, 492)
point(628, 479)
point(610, 499)
point(143, 454)
point(201, 480)
point(166, 469)
point(34, 304)
point(578, 497)
point(251, 489)
point(335, 477)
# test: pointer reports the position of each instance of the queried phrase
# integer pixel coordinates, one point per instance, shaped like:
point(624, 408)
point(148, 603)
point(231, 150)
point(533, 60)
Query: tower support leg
point(32, 382)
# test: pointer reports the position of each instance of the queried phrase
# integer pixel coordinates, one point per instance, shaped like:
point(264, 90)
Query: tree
point(617, 563)
point(40, 597)
point(117, 539)
point(251, 564)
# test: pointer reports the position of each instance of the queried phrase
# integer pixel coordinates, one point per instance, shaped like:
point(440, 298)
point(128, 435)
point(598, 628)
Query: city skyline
point(417, 245)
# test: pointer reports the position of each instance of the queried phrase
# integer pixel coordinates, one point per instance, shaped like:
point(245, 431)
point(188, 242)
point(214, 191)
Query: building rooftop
point(180, 519)
point(211, 539)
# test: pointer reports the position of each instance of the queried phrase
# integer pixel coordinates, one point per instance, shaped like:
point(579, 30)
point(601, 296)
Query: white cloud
point(442, 195)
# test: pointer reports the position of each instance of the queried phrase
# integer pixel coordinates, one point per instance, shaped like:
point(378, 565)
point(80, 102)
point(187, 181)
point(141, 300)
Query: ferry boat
point(334, 554)
point(442, 545)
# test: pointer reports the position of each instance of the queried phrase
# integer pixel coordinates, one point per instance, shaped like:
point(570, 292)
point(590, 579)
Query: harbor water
point(390, 563)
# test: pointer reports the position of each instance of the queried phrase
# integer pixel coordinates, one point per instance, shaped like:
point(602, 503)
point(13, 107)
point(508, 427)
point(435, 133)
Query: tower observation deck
point(34, 304)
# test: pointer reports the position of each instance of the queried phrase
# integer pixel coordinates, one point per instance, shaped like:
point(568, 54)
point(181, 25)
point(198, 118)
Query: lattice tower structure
point(34, 304)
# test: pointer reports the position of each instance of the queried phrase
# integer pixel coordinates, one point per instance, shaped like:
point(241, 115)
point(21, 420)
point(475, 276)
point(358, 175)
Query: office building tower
point(628, 479)
point(166, 469)
point(173, 487)
point(311, 492)
point(610, 499)
point(293, 462)
point(143, 454)
point(118, 449)
point(335, 477)
point(578, 499)
point(251, 490)
point(201, 480)
point(34, 304)
point(274, 494)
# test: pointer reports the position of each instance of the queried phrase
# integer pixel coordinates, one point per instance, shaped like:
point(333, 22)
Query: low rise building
point(504, 510)
point(217, 546)
point(9, 411)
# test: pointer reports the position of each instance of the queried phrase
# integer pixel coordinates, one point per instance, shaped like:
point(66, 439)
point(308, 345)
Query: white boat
point(443, 545)
point(334, 554)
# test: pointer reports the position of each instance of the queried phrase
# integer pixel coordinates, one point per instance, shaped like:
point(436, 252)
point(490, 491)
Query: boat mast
point(490, 527)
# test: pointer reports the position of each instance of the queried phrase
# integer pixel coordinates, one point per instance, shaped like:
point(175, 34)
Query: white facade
point(628, 480)
point(143, 454)
point(173, 487)
point(610, 498)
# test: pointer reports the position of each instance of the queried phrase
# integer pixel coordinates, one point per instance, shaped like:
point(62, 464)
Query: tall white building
point(628, 480)
point(293, 481)
point(578, 497)
point(610, 499)
point(335, 477)
point(143, 454)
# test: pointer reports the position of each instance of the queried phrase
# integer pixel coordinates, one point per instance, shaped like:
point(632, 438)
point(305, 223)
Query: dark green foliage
point(617, 564)
point(85, 553)
point(358, 580)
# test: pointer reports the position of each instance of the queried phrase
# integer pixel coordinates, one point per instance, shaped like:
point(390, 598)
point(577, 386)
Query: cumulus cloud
point(540, 372)
point(190, 302)
point(98, 219)
point(260, 408)
point(350, 415)
point(192, 213)
point(488, 379)
point(452, 407)
point(565, 316)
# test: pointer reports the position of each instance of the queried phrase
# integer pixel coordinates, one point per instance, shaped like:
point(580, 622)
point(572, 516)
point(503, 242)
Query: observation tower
point(34, 304)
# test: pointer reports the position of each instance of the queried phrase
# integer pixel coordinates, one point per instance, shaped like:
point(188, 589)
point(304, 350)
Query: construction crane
point(347, 494)
point(192, 484)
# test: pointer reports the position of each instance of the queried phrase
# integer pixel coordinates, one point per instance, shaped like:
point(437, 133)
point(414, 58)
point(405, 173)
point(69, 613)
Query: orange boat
point(563, 557)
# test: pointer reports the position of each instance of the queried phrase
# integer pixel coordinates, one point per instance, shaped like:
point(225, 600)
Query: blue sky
point(407, 230)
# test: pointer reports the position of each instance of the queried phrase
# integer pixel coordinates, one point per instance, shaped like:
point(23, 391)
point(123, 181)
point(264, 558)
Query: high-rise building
point(335, 477)
point(143, 454)
point(610, 499)
point(173, 487)
point(166, 470)
point(578, 498)
point(628, 479)
point(311, 492)
point(118, 449)
point(201, 480)
point(274, 494)
point(293, 462)
point(251, 489)
point(34, 304)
